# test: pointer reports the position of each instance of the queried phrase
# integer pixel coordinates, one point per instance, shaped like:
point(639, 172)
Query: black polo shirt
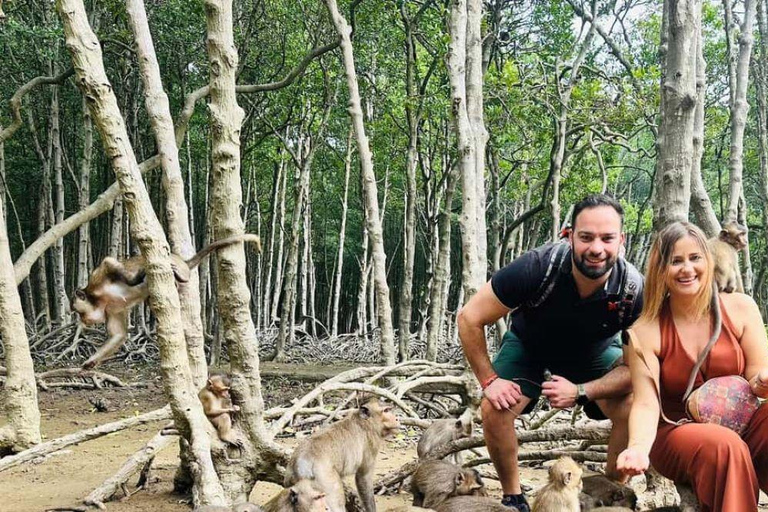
point(564, 326)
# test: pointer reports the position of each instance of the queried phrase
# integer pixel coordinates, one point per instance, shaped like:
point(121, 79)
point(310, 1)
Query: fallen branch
point(84, 435)
point(107, 490)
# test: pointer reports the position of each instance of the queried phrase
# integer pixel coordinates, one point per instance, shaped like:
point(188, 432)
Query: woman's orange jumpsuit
point(724, 469)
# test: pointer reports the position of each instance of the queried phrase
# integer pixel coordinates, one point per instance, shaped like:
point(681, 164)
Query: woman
point(725, 470)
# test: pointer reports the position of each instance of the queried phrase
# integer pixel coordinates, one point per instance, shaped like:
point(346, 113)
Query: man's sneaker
point(516, 500)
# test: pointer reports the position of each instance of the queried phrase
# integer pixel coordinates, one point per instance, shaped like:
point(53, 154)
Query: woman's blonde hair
point(655, 290)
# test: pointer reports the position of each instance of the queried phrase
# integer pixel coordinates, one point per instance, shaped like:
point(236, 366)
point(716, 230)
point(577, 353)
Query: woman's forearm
point(643, 423)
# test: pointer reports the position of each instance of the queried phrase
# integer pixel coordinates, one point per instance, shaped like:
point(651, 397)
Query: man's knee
point(616, 409)
point(497, 423)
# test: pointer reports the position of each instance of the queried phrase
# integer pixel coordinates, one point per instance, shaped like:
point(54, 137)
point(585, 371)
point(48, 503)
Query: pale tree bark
point(116, 249)
point(701, 205)
point(761, 83)
point(83, 243)
point(439, 301)
point(365, 271)
point(681, 19)
point(373, 220)
point(260, 456)
point(177, 379)
point(306, 226)
point(21, 416)
point(342, 236)
point(558, 156)
point(44, 307)
point(464, 64)
point(59, 287)
point(279, 261)
point(179, 234)
point(747, 276)
point(269, 270)
point(302, 158)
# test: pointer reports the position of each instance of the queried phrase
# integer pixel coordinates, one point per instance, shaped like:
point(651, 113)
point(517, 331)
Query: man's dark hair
point(593, 201)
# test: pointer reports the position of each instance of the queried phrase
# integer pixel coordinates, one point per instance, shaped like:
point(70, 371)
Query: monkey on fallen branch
point(114, 287)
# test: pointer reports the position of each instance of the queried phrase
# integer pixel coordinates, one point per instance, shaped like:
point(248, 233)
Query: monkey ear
point(365, 411)
point(567, 477)
point(459, 478)
point(80, 294)
point(293, 497)
point(459, 425)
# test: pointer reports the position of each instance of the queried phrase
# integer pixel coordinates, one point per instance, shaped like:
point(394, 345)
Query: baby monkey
point(217, 405)
point(561, 493)
point(114, 287)
point(444, 431)
point(434, 481)
point(300, 497)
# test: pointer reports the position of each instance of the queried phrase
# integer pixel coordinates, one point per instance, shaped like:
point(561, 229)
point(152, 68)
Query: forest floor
point(64, 478)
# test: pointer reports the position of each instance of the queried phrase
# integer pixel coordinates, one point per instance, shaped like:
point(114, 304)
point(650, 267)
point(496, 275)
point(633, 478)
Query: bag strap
point(715, 306)
point(559, 252)
point(628, 291)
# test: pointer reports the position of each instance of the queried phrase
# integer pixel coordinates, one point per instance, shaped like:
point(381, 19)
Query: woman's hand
point(632, 461)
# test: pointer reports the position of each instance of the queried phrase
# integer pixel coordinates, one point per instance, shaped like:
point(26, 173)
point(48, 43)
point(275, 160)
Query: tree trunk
point(680, 30)
point(59, 285)
point(279, 263)
point(370, 189)
point(761, 82)
point(439, 301)
point(260, 456)
point(269, 270)
point(83, 243)
point(464, 64)
point(342, 236)
point(19, 398)
point(179, 234)
point(188, 412)
point(116, 249)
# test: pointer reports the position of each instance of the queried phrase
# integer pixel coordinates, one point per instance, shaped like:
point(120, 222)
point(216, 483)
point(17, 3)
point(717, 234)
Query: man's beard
point(593, 272)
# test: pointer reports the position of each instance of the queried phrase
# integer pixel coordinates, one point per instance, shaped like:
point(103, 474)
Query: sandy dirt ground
point(64, 478)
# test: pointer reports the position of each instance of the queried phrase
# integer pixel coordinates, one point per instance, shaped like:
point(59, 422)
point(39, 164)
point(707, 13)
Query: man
point(570, 302)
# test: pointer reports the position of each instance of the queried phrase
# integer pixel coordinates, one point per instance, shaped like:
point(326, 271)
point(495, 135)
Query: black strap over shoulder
point(560, 251)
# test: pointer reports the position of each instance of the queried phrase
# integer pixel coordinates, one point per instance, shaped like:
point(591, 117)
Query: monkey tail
point(205, 251)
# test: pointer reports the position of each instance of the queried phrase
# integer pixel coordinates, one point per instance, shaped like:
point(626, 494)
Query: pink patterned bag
point(726, 401)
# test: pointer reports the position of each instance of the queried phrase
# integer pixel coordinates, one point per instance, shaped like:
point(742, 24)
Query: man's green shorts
point(513, 362)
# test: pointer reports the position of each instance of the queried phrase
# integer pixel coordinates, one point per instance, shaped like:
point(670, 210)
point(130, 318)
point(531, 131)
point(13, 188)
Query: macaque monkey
point(561, 493)
point(599, 490)
point(434, 481)
point(348, 447)
point(724, 249)
point(114, 287)
point(408, 508)
point(473, 504)
point(301, 497)
point(445, 431)
point(217, 405)
point(240, 507)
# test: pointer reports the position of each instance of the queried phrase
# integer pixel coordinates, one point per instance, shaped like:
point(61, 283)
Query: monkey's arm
point(753, 341)
point(118, 332)
point(213, 406)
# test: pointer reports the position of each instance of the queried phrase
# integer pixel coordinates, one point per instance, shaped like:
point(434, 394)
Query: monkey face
point(304, 497)
point(596, 241)
point(687, 270)
point(89, 314)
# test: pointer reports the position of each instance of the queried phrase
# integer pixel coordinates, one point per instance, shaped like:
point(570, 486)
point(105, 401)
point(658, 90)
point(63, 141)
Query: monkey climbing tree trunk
point(21, 429)
point(261, 455)
point(679, 33)
point(188, 413)
point(464, 64)
point(179, 234)
point(373, 221)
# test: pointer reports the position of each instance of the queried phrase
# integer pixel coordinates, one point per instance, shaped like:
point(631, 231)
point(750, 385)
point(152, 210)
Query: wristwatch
point(581, 396)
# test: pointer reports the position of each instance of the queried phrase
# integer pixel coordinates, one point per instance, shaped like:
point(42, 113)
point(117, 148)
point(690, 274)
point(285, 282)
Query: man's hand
point(560, 392)
point(632, 461)
point(503, 394)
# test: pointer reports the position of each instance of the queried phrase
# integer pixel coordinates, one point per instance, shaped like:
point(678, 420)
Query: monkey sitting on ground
point(445, 431)
point(114, 287)
point(349, 447)
point(434, 481)
point(561, 493)
point(599, 490)
point(217, 405)
point(300, 497)
point(473, 504)
point(724, 249)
